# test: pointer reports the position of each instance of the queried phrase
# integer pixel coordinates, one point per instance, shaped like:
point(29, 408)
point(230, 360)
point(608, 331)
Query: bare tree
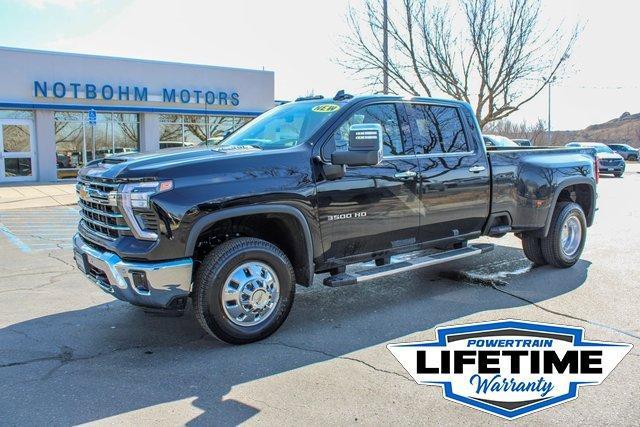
point(496, 55)
point(535, 132)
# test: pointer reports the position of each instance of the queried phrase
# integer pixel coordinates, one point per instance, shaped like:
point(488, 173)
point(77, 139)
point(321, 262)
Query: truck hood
point(146, 165)
point(603, 156)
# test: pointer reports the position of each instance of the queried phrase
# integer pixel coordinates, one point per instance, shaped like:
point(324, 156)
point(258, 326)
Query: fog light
point(140, 282)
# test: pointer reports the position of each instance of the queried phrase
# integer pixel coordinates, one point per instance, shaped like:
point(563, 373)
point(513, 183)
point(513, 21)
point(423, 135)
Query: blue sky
point(32, 23)
point(299, 40)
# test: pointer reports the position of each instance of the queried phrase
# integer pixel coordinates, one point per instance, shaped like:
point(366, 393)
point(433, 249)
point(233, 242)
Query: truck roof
point(317, 98)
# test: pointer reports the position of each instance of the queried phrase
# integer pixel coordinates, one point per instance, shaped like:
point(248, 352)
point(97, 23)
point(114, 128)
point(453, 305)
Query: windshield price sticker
point(325, 108)
point(510, 368)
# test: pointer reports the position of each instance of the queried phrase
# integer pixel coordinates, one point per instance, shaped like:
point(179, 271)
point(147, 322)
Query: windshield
point(284, 126)
point(501, 141)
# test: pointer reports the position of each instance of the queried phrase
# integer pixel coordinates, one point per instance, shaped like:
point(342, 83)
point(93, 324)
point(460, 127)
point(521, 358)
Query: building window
point(78, 142)
point(178, 130)
point(16, 114)
point(17, 167)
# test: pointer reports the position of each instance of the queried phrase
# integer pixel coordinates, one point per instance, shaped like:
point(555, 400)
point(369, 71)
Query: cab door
point(370, 208)
point(454, 182)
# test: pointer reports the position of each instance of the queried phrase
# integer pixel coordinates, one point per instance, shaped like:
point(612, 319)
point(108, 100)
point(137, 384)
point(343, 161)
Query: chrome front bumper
point(165, 284)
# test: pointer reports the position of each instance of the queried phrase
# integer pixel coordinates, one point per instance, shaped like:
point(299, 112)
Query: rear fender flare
point(564, 184)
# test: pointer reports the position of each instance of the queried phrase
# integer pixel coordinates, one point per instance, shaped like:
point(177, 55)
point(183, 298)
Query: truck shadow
point(111, 359)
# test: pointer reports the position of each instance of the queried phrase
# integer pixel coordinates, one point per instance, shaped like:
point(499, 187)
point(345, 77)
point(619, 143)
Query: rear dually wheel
point(532, 247)
point(567, 234)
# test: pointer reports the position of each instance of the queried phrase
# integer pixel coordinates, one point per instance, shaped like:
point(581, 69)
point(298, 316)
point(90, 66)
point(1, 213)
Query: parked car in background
point(609, 161)
point(498, 141)
point(523, 142)
point(626, 151)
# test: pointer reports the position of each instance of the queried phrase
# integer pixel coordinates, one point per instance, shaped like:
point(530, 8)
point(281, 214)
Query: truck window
point(385, 115)
point(438, 129)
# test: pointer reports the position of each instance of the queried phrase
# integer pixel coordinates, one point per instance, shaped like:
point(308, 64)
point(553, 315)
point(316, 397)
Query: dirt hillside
point(624, 129)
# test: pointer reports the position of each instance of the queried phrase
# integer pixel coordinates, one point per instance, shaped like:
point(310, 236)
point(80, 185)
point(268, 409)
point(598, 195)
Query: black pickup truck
point(311, 187)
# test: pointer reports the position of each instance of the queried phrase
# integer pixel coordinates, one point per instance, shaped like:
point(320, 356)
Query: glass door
point(16, 150)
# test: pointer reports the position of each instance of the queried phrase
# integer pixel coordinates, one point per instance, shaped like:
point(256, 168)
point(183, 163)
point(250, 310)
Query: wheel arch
point(299, 251)
point(580, 190)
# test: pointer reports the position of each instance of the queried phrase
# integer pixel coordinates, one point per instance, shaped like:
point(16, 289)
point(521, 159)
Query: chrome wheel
point(571, 236)
point(250, 293)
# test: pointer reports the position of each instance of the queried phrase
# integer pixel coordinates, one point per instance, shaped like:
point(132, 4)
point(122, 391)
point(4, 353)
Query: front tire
point(243, 290)
point(567, 235)
point(618, 174)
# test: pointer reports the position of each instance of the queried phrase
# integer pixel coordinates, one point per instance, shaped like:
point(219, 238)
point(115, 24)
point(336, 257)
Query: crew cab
point(311, 187)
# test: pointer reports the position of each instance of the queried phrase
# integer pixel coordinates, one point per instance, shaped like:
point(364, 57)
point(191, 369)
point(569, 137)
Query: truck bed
point(526, 182)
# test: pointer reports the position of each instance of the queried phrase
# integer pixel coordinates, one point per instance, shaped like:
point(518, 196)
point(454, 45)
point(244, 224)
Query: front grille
point(610, 162)
point(104, 186)
point(99, 214)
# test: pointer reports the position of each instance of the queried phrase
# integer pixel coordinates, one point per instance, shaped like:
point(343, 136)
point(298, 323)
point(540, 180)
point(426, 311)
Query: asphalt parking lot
point(70, 354)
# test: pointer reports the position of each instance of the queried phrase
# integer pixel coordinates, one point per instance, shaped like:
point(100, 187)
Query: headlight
point(137, 195)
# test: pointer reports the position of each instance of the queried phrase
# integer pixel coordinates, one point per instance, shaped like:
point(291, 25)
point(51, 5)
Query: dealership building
point(59, 111)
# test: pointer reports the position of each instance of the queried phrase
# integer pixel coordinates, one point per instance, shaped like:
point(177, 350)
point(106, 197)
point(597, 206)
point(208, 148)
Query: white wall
point(149, 132)
point(20, 68)
point(45, 152)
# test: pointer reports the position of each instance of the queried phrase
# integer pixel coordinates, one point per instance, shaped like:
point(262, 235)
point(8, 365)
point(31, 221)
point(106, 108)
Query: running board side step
point(345, 279)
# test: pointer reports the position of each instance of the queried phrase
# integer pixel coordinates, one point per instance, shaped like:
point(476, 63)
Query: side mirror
point(365, 146)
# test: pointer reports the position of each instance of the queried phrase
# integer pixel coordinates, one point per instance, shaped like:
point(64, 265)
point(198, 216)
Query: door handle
point(476, 168)
point(406, 174)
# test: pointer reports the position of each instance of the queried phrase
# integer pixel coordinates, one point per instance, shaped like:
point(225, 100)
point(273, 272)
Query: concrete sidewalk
point(20, 196)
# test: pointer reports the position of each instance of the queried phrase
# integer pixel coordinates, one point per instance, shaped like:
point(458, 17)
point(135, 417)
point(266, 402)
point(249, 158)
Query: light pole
point(549, 81)
point(385, 49)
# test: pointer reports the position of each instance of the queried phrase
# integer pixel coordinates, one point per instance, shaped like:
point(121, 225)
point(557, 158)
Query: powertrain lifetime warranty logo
point(510, 368)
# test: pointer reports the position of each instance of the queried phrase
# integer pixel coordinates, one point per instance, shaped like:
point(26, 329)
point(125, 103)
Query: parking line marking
point(39, 229)
point(14, 239)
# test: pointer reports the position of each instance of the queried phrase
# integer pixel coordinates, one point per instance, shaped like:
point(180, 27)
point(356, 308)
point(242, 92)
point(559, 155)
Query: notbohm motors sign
point(510, 368)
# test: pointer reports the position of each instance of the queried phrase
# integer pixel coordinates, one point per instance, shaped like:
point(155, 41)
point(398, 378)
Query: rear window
point(438, 129)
